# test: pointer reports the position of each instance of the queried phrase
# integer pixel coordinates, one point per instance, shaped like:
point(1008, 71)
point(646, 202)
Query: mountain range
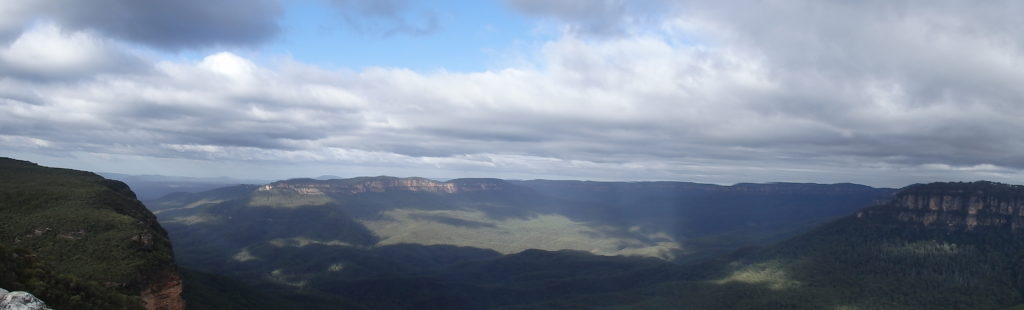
point(331, 235)
point(411, 243)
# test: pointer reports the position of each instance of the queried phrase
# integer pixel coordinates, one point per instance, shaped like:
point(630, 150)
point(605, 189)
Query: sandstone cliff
point(958, 206)
point(164, 292)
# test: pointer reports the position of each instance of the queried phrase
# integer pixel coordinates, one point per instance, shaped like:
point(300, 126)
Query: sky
point(884, 93)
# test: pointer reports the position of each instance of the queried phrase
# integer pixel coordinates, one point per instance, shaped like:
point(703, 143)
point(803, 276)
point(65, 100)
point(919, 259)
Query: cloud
point(14, 15)
point(597, 17)
point(48, 53)
point(226, 107)
point(198, 24)
point(931, 83)
point(171, 25)
point(874, 92)
point(387, 17)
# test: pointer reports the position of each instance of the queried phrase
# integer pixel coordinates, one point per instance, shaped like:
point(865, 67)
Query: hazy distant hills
point(149, 187)
point(655, 219)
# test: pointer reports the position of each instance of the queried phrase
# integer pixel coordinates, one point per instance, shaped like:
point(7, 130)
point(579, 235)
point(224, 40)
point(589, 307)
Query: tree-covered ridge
point(83, 226)
point(995, 190)
point(870, 260)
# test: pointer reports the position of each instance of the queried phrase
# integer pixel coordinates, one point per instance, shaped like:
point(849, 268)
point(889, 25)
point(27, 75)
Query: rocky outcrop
point(382, 184)
point(164, 293)
point(20, 301)
point(961, 206)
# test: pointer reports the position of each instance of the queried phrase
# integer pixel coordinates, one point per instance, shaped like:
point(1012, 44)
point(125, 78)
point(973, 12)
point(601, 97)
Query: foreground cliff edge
point(74, 235)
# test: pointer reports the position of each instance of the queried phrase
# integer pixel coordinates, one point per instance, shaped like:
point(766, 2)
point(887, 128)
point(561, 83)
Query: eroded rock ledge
point(957, 205)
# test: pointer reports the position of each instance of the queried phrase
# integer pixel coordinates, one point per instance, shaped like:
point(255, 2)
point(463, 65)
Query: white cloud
point(48, 52)
point(840, 94)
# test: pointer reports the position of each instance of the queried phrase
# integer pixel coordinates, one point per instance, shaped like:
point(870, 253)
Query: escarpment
point(957, 206)
point(90, 229)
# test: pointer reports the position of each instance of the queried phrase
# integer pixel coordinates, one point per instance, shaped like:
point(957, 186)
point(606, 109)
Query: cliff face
point(164, 293)
point(958, 206)
point(90, 228)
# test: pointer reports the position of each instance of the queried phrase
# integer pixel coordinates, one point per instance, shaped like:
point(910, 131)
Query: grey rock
point(20, 301)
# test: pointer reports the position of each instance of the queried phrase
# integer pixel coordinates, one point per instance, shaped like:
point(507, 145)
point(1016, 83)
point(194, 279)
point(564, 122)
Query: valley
point(328, 236)
point(511, 155)
point(412, 243)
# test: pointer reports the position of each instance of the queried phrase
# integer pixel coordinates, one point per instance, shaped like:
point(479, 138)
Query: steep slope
point(88, 228)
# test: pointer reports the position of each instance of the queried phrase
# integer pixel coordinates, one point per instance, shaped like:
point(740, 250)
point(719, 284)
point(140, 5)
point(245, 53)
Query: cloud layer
point(879, 92)
point(162, 24)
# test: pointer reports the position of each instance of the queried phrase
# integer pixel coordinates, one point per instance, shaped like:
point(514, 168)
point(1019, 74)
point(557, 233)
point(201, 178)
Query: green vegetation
point(87, 229)
point(209, 291)
point(21, 270)
point(872, 260)
point(657, 219)
point(393, 248)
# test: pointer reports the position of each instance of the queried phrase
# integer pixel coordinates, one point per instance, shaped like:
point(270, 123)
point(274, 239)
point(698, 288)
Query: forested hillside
point(73, 232)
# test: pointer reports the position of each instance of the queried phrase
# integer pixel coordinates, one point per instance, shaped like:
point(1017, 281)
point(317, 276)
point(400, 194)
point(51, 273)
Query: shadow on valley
point(84, 242)
point(413, 243)
point(670, 220)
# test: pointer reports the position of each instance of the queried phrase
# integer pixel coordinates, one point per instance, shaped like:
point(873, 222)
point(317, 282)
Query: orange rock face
point(164, 294)
point(958, 206)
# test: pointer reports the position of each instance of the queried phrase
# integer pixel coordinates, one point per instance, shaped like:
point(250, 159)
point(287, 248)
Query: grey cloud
point(869, 92)
point(387, 17)
point(596, 17)
point(14, 15)
point(915, 82)
point(173, 25)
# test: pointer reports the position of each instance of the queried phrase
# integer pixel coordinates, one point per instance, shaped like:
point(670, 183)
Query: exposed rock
point(20, 301)
point(957, 205)
point(164, 294)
